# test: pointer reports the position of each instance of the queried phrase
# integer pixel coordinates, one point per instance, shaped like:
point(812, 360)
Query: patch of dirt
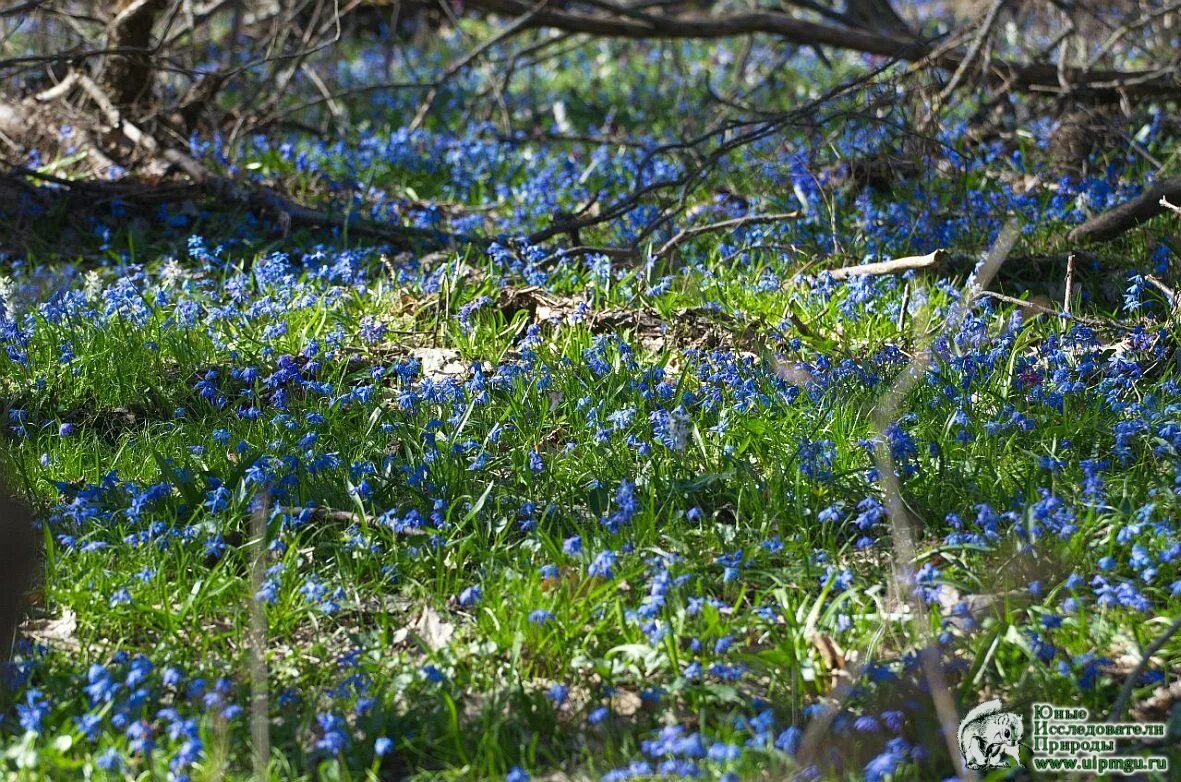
point(59, 632)
point(440, 363)
point(701, 328)
point(1159, 706)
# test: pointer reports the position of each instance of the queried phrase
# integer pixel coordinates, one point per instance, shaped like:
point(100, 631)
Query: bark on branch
point(893, 266)
point(1128, 215)
point(1033, 77)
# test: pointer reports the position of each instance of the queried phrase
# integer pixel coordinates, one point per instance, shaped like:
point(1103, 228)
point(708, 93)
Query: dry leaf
point(439, 363)
point(625, 703)
point(831, 654)
point(433, 630)
point(57, 632)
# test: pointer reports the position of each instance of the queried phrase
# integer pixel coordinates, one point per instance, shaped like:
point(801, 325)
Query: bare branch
point(1114, 222)
point(1035, 77)
point(893, 266)
point(724, 225)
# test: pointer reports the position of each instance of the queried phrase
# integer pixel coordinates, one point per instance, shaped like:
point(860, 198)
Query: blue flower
point(32, 711)
point(886, 763)
point(626, 506)
point(139, 736)
point(789, 740)
point(333, 738)
point(471, 596)
point(109, 760)
point(101, 686)
point(602, 566)
point(540, 616)
point(89, 725)
point(671, 429)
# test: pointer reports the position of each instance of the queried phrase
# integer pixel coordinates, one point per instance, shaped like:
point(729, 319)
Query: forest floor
point(483, 513)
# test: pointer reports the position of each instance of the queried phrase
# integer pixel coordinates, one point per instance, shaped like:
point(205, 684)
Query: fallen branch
point(1114, 222)
point(635, 254)
point(1125, 693)
point(1039, 309)
point(893, 266)
point(620, 22)
point(723, 225)
point(288, 213)
point(336, 516)
point(324, 514)
point(1168, 292)
point(18, 564)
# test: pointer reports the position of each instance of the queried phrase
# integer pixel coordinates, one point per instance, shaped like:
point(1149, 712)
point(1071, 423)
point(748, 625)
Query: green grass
point(365, 620)
point(740, 467)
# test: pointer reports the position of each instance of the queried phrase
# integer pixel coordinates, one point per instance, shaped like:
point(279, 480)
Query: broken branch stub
point(893, 266)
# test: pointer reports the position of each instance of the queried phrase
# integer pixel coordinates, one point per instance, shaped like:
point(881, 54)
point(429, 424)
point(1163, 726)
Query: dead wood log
point(1114, 222)
point(17, 566)
point(619, 22)
point(893, 266)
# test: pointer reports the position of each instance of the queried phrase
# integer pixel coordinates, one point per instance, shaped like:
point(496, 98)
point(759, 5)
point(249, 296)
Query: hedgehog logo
point(988, 737)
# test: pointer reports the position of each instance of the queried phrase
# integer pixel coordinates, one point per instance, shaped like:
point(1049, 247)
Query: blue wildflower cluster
point(513, 510)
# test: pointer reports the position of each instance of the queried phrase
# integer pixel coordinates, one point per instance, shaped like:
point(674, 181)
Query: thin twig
point(1066, 297)
point(1125, 693)
point(505, 33)
point(1042, 310)
point(724, 225)
point(902, 525)
point(986, 27)
point(260, 726)
point(1169, 293)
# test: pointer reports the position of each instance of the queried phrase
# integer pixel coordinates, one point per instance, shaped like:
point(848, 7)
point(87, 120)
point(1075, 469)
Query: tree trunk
point(17, 560)
point(126, 76)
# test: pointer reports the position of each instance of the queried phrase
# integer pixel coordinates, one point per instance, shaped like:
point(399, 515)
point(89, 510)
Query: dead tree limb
point(127, 76)
point(1031, 77)
point(265, 200)
point(893, 266)
point(18, 559)
point(1114, 222)
point(724, 225)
